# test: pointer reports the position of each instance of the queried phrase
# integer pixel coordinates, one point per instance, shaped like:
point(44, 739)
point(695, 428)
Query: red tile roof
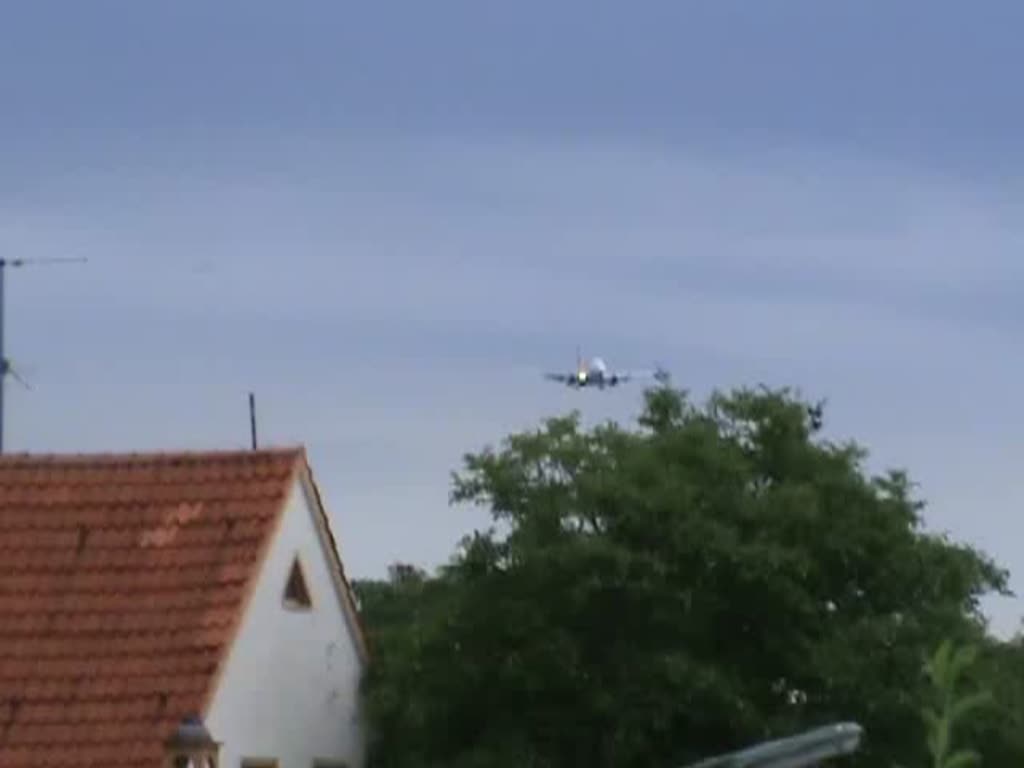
point(122, 582)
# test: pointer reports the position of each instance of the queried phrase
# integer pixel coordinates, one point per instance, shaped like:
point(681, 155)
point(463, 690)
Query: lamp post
point(805, 749)
point(192, 746)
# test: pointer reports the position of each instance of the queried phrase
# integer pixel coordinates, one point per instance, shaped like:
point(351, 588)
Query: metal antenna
point(252, 418)
point(5, 364)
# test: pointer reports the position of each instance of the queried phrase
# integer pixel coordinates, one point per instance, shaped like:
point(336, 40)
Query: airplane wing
point(658, 374)
point(564, 378)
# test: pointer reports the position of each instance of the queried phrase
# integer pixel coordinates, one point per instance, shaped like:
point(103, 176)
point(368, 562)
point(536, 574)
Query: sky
point(387, 219)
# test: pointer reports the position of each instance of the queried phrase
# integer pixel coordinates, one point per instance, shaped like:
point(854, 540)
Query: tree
point(945, 670)
point(717, 575)
point(402, 617)
point(998, 731)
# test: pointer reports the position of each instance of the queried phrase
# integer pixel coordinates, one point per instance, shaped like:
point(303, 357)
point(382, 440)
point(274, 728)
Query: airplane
point(595, 373)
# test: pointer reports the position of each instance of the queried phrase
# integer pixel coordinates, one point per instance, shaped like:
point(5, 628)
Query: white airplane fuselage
point(594, 374)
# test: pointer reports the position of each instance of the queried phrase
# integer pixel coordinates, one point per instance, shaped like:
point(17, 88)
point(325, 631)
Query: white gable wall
point(289, 687)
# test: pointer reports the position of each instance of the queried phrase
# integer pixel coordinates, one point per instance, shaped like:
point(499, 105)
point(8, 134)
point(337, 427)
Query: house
point(148, 598)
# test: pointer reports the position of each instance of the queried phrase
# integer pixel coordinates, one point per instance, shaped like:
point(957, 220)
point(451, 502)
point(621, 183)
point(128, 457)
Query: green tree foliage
point(945, 671)
point(716, 575)
point(998, 730)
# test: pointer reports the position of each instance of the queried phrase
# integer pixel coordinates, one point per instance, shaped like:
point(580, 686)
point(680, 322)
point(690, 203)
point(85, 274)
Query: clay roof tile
point(122, 580)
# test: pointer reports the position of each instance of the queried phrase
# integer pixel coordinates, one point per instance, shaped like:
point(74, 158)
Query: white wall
point(289, 687)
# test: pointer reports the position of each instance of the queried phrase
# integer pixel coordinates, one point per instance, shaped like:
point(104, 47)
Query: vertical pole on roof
point(3, 358)
point(252, 419)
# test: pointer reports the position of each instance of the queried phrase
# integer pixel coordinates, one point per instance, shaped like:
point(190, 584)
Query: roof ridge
point(187, 454)
point(337, 564)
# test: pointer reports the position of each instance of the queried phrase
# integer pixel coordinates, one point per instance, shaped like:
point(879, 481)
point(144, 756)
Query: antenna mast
point(5, 363)
point(252, 418)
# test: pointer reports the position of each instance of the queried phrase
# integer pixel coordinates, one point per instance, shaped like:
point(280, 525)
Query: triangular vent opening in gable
point(296, 593)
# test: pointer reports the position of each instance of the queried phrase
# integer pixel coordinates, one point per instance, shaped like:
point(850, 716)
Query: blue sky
point(387, 219)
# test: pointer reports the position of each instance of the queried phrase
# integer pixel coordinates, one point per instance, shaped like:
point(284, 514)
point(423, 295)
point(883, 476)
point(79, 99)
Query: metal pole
point(3, 357)
point(801, 751)
point(5, 365)
point(252, 418)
